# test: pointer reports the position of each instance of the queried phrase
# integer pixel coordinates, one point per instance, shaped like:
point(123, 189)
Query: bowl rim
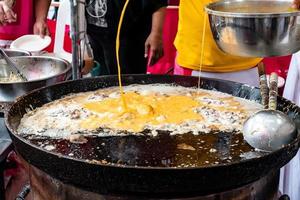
point(17, 51)
point(68, 68)
point(209, 8)
point(44, 42)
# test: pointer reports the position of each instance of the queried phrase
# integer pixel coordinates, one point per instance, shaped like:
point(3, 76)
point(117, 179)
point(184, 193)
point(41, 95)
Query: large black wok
point(122, 179)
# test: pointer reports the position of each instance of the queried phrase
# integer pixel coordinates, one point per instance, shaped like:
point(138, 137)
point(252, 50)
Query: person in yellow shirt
point(216, 63)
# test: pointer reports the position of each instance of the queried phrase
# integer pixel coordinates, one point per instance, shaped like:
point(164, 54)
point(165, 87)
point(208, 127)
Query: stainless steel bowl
point(40, 71)
point(255, 28)
point(16, 52)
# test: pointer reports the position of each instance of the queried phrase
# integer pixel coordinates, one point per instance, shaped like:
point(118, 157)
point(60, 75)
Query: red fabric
point(280, 65)
point(178, 70)
point(24, 23)
point(166, 63)
point(51, 25)
point(67, 39)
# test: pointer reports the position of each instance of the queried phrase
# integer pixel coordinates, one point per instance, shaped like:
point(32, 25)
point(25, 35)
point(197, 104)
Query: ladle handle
point(273, 93)
point(264, 89)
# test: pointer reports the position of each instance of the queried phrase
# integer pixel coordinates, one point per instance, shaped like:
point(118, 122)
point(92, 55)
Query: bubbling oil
point(165, 150)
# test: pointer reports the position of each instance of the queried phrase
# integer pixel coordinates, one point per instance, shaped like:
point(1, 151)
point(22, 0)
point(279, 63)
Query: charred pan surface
point(164, 150)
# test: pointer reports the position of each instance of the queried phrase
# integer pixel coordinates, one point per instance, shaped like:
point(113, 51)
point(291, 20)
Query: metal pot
point(263, 33)
point(16, 52)
point(40, 70)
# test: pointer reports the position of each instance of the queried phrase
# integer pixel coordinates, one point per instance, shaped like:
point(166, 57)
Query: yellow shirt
point(188, 42)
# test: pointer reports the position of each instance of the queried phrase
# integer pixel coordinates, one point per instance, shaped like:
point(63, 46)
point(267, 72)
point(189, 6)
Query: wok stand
point(5, 148)
point(45, 187)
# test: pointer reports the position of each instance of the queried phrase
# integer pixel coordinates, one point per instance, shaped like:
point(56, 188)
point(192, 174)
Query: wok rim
point(65, 71)
point(7, 116)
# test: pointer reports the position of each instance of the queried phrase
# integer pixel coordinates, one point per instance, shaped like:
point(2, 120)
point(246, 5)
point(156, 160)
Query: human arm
point(6, 13)
point(41, 8)
point(154, 42)
point(296, 4)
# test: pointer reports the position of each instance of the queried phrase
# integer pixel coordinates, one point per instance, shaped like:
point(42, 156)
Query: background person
point(31, 17)
point(216, 63)
point(6, 13)
point(141, 33)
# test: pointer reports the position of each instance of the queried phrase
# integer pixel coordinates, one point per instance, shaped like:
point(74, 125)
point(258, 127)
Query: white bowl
point(31, 43)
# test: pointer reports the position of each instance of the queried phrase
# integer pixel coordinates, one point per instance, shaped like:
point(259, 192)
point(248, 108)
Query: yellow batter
point(141, 110)
point(117, 52)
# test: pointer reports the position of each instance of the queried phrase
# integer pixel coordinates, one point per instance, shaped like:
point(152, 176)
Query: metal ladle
point(269, 129)
point(14, 68)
